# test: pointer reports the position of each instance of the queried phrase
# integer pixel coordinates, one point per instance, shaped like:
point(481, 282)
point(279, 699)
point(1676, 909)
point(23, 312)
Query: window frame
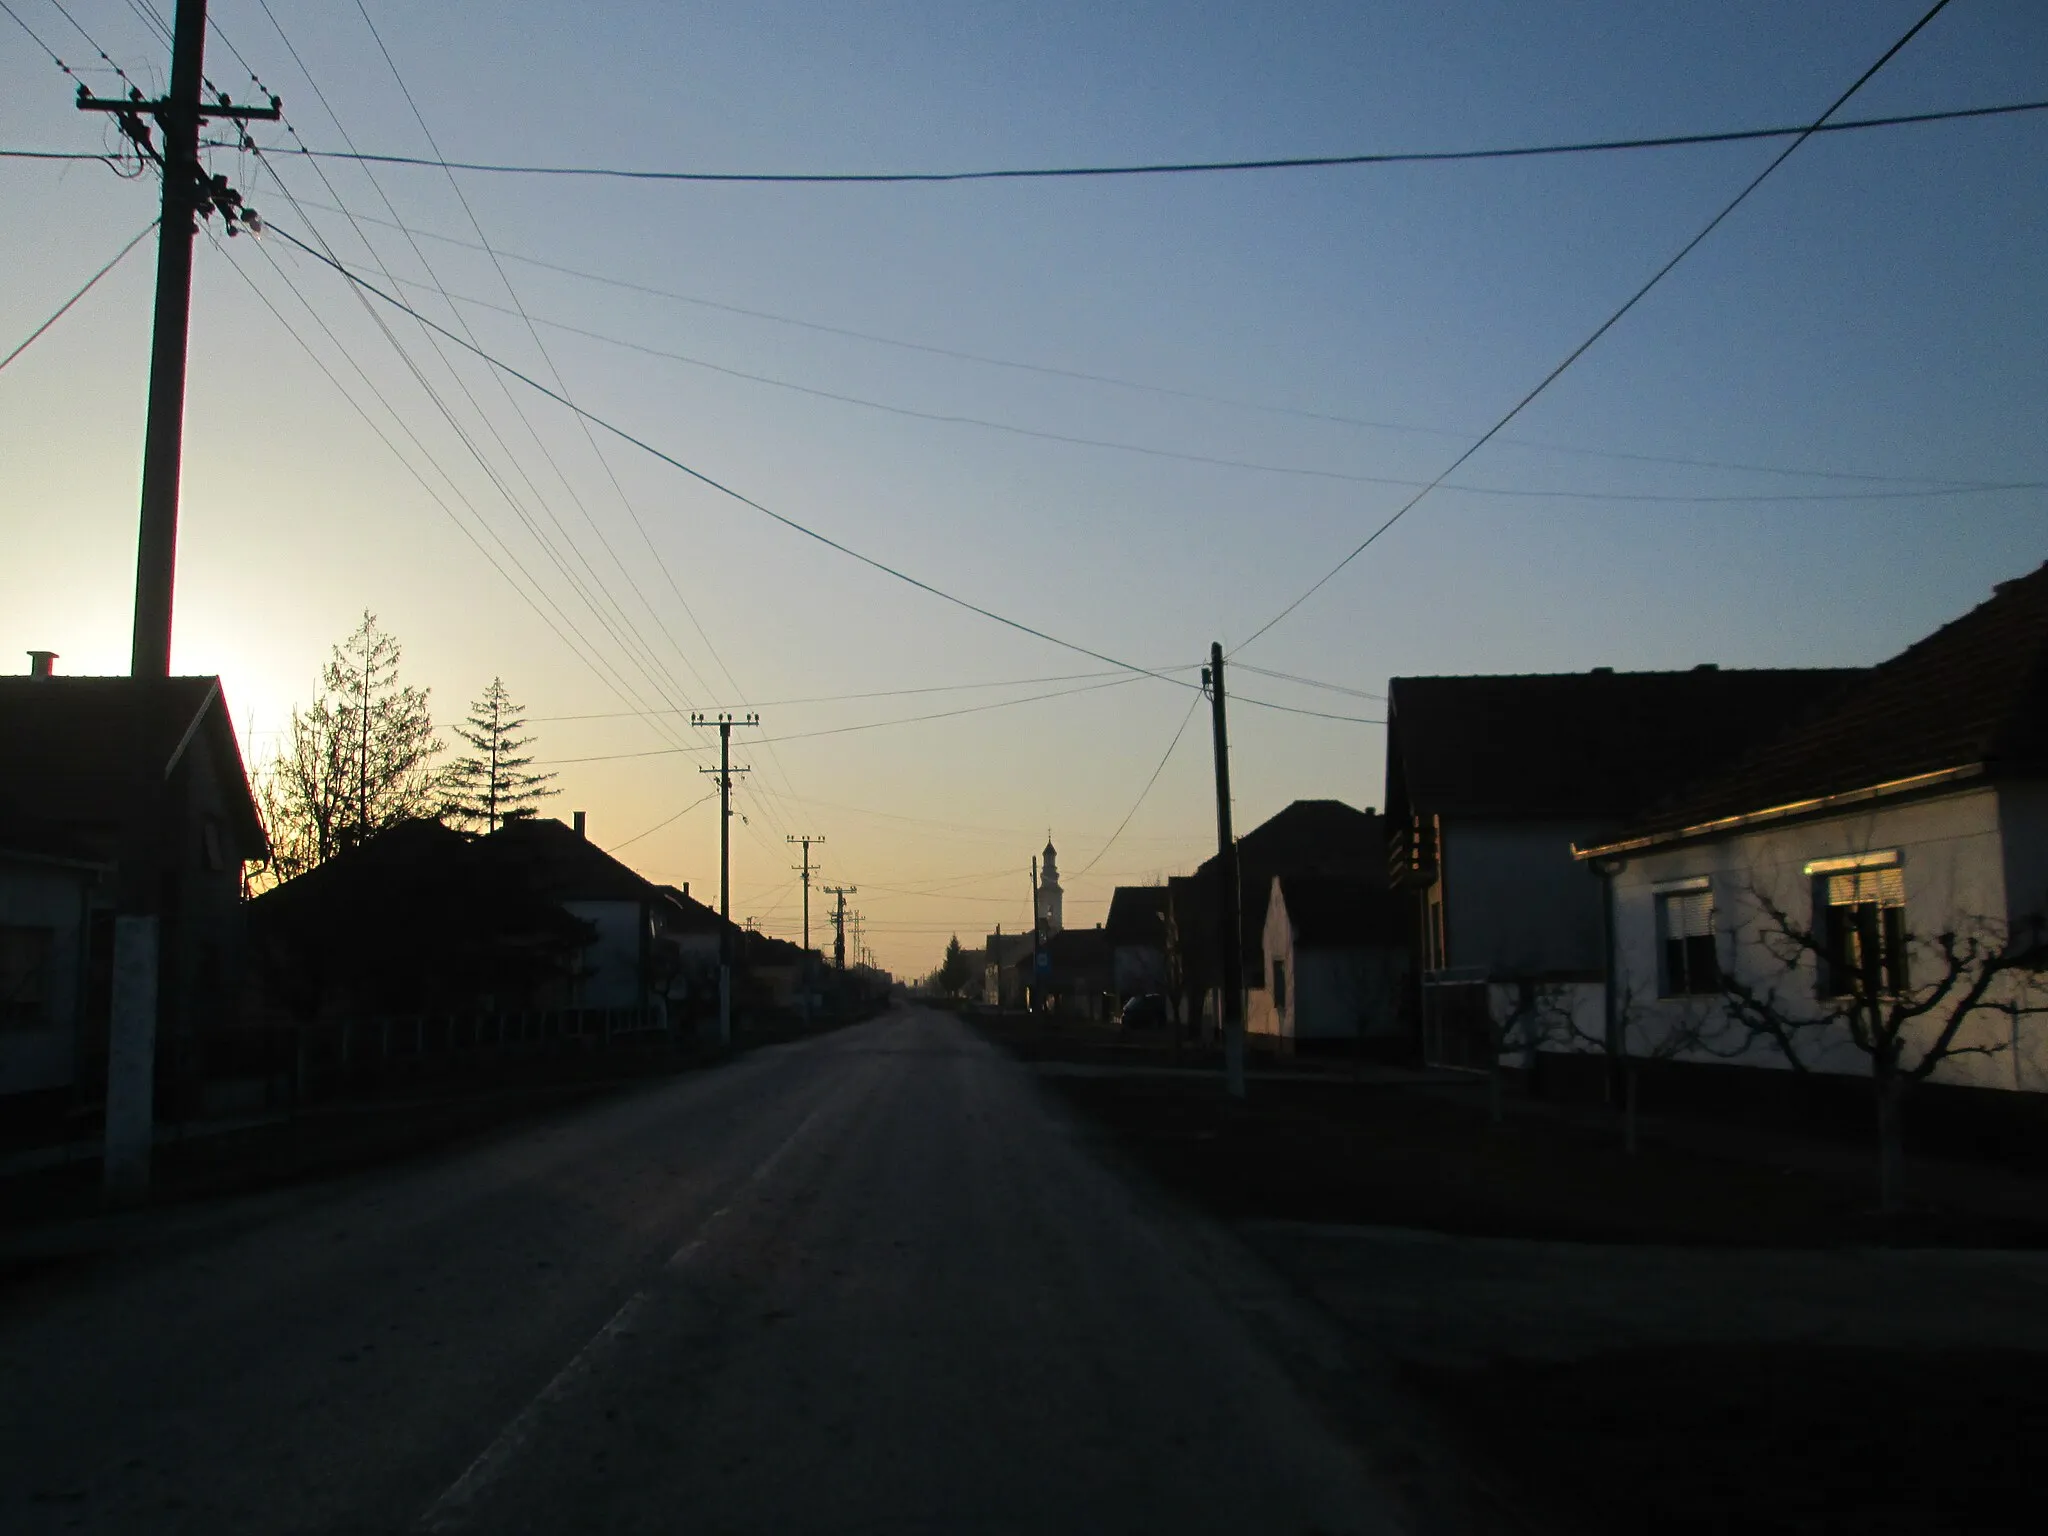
point(1688, 964)
point(1867, 933)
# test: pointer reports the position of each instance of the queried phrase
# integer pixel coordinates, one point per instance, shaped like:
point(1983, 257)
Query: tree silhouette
point(953, 969)
point(358, 759)
point(489, 784)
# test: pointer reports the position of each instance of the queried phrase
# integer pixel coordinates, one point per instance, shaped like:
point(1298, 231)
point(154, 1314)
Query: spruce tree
point(489, 784)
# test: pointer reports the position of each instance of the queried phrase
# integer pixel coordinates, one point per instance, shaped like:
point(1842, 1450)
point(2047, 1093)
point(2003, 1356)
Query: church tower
point(1049, 897)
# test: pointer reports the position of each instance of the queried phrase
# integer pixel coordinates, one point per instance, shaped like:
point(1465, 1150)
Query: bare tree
point(490, 783)
point(1907, 1004)
point(1634, 1035)
point(358, 759)
point(1524, 1022)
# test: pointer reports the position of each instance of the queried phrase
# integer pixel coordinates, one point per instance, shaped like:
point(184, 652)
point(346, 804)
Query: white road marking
point(448, 1511)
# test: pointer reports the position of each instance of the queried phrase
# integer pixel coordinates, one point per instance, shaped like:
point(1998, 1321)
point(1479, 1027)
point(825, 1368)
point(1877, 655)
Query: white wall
point(1954, 862)
point(1517, 902)
point(1330, 992)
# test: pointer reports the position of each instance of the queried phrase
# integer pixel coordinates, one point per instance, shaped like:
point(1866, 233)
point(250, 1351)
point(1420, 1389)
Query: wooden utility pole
point(1228, 921)
point(725, 771)
point(188, 195)
point(839, 922)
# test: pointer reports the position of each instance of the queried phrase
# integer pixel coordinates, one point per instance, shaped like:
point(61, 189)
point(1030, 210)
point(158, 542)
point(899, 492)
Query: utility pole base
point(131, 1063)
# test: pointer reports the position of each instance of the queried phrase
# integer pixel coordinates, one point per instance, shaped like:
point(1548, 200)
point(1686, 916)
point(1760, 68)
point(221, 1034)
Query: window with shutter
point(1685, 920)
point(1863, 930)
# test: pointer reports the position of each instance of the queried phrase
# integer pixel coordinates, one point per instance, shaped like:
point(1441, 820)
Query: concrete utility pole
point(808, 844)
point(189, 194)
point(1228, 921)
point(804, 977)
point(724, 772)
point(839, 922)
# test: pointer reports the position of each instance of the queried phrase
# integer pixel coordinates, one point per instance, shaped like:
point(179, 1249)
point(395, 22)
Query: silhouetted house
point(1336, 960)
point(419, 918)
point(1491, 781)
point(1914, 805)
point(106, 782)
point(1308, 837)
point(775, 971)
point(1002, 982)
point(1074, 975)
point(651, 942)
point(1136, 928)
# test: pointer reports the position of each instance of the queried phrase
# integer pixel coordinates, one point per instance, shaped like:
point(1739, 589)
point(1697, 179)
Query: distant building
point(1136, 928)
point(1051, 901)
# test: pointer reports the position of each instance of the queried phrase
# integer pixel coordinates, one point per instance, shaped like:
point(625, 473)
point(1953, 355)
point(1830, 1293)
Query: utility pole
point(725, 771)
point(804, 971)
point(1228, 922)
point(1037, 940)
point(188, 194)
point(839, 922)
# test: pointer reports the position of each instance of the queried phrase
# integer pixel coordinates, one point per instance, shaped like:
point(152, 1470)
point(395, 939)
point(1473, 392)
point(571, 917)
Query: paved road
point(864, 1283)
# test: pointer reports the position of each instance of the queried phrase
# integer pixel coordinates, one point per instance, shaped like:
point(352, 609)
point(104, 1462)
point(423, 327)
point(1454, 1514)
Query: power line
point(1196, 167)
point(1161, 768)
point(875, 693)
point(1311, 682)
point(1295, 709)
point(950, 418)
point(1165, 390)
point(725, 490)
point(870, 725)
point(1606, 325)
point(64, 308)
point(679, 815)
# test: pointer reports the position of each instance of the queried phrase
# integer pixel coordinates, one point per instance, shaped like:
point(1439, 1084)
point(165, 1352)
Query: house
point(117, 794)
point(1136, 929)
point(1308, 837)
point(1335, 960)
point(651, 943)
point(1069, 972)
point(1829, 862)
point(1492, 781)
point(1002, 982)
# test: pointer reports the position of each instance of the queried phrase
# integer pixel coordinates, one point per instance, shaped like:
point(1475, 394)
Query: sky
point(1778, 458)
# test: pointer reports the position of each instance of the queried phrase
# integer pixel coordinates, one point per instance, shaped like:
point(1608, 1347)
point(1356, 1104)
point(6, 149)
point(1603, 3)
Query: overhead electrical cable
point(951, 418)
point(725, 490)
point(1181, 731)
point(1311, 682)
point(666, 821)
point(1196, 167)
point(609, 614)
point(872, 693)
point(866, 725)
point(65, 308)
point(1164, 390)
point(1606, 325)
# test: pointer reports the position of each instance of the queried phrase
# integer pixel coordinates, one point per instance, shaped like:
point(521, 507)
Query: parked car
point(1145, 1012)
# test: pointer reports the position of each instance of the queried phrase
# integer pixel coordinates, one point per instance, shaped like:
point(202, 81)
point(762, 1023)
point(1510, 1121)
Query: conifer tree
point(489, 784)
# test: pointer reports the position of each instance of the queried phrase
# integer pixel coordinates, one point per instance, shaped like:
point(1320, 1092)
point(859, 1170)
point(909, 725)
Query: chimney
point(42, 663)
point(580, 832)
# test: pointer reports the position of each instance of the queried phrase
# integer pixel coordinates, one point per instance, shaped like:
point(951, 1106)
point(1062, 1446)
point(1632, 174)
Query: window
point(1863, 927)
point(1685, 924)
point(25, 977)
point(1280, 984)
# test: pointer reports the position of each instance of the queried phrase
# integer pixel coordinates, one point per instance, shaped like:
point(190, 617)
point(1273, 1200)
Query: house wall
point(2023, 826)
point(1954, 860)
point(611, 963)
point(1330, 991)
point(1516, 902)
point(38, 895)
point(1138, 969)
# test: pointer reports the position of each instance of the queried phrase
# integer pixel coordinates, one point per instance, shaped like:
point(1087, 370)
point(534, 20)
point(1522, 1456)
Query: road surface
point(868, 1282)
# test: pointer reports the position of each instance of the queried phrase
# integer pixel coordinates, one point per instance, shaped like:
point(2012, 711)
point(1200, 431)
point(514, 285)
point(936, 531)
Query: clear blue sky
point(1878, 308)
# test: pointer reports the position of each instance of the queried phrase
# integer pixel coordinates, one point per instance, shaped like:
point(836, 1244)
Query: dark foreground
point(867, 1282)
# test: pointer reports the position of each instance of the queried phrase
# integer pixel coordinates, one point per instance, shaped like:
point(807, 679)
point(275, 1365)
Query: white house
point(1492, 782)
point(1335, 960)
point(1827, 866)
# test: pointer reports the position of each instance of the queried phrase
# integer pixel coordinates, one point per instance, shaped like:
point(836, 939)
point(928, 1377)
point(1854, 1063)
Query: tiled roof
point(1581, 744)
point(1309, 837)
point(1339, 912)
point(1974, 694)
point(566, 865)
point(72, 748)
point(1137, 915)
